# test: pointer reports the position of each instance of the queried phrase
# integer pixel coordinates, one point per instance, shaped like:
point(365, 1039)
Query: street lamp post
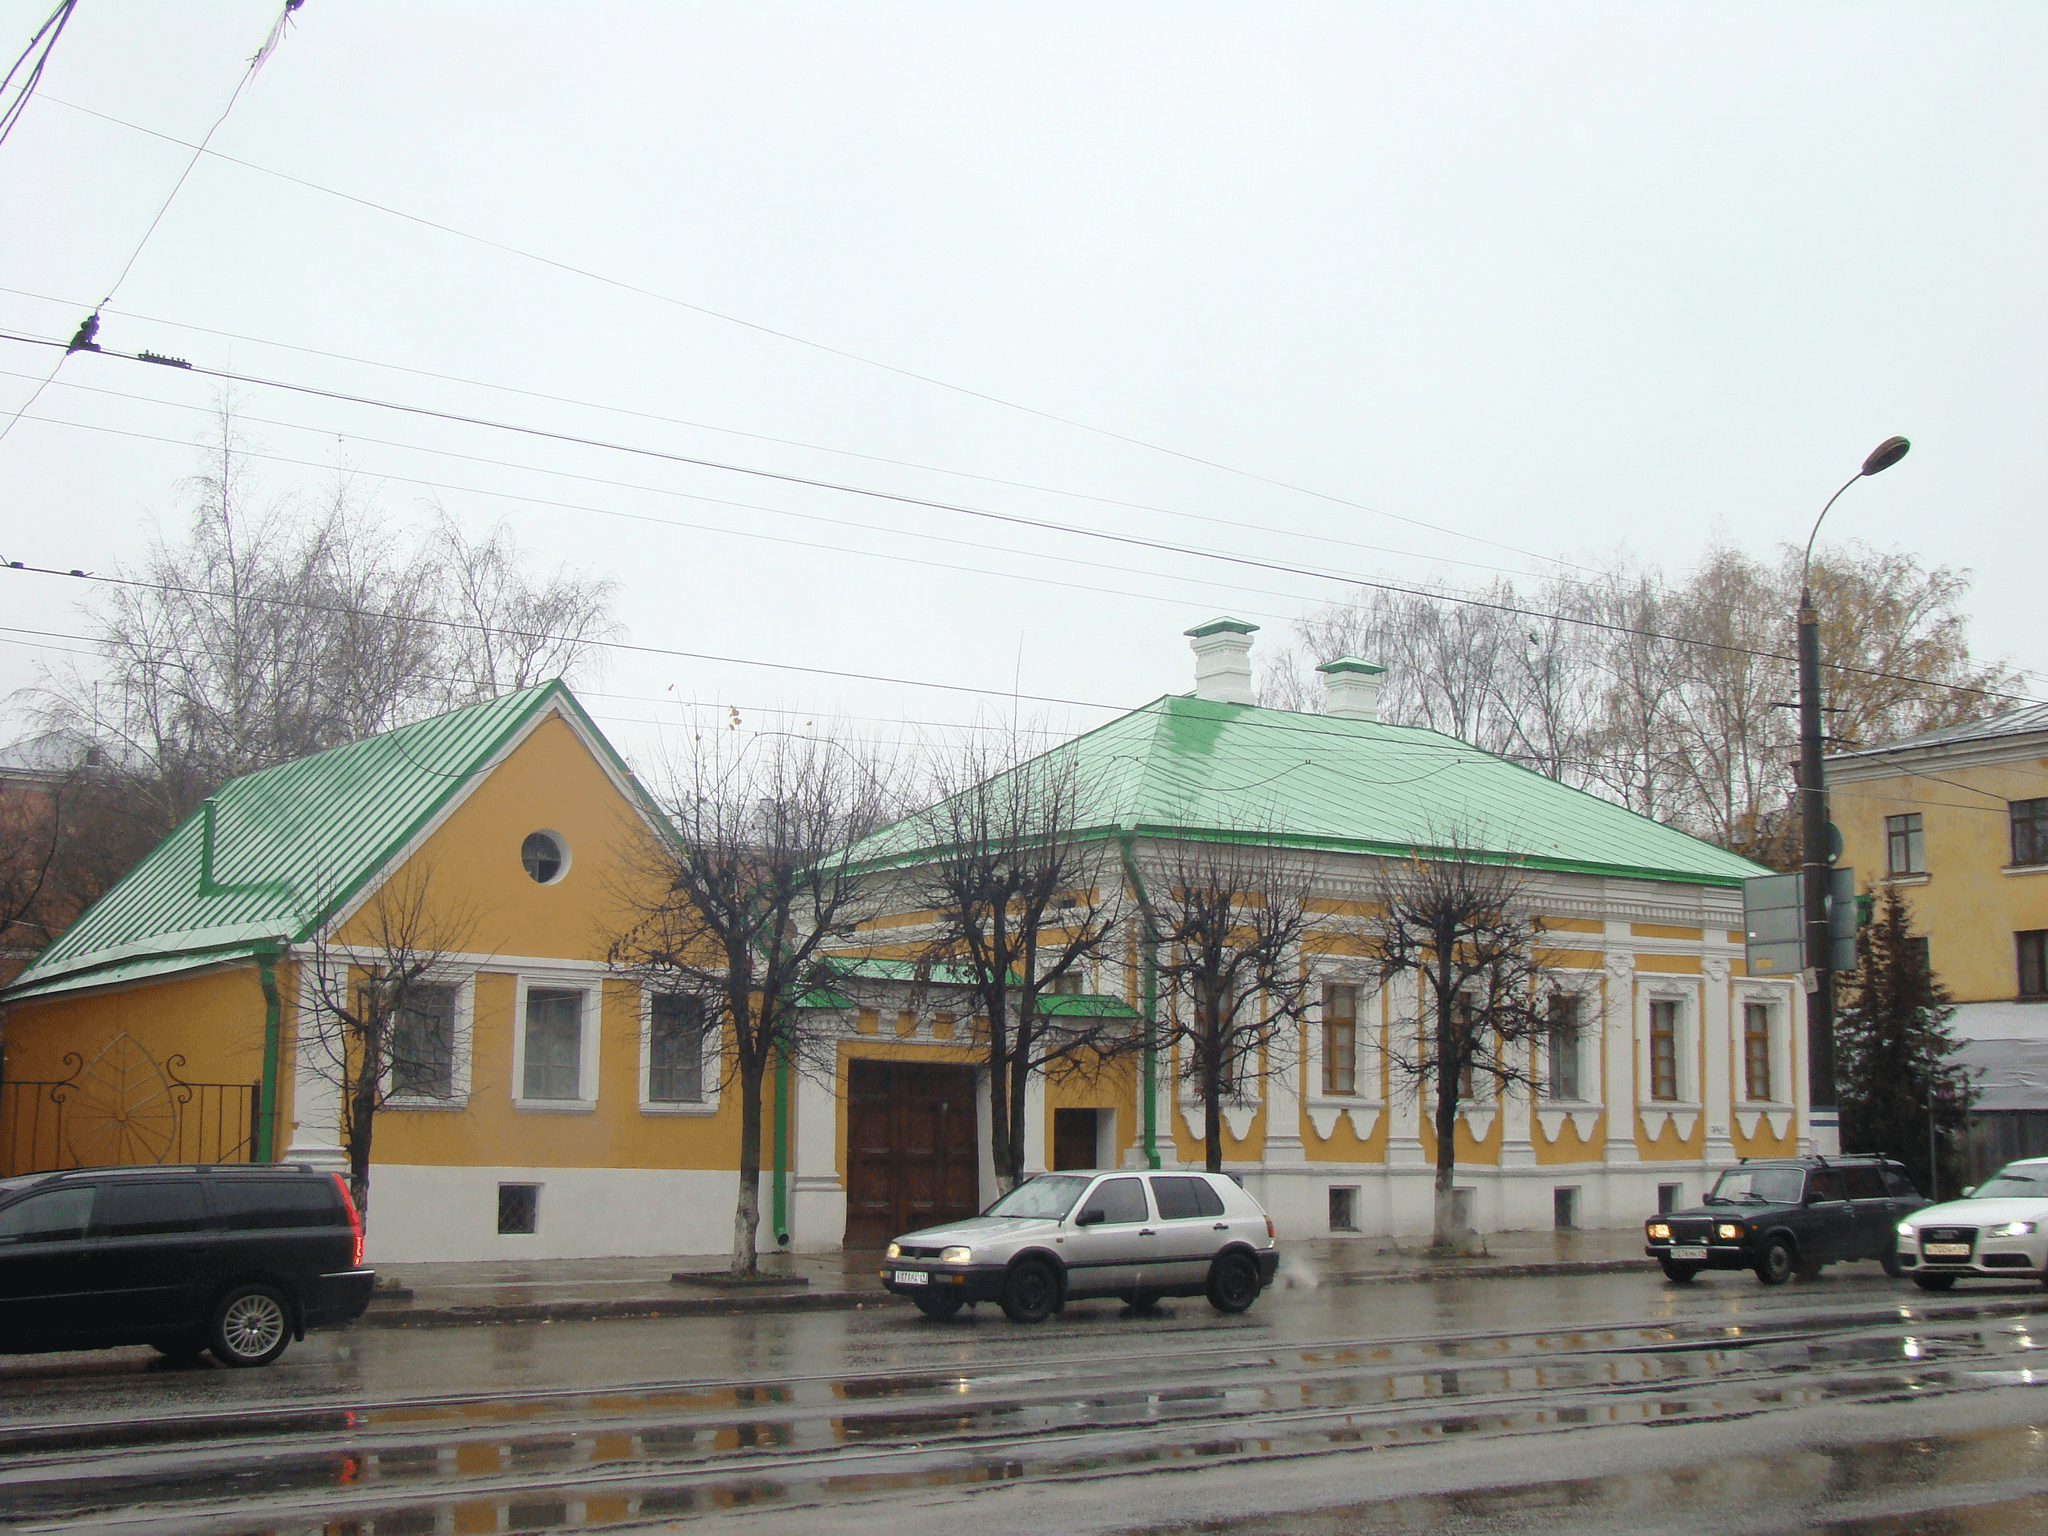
point(1825, 1117)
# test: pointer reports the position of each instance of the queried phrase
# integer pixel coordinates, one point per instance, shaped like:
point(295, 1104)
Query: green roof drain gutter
point(266, 1112)
point(1150, 970)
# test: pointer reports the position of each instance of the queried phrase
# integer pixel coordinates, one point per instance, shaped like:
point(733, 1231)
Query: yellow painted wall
point(1968, 907)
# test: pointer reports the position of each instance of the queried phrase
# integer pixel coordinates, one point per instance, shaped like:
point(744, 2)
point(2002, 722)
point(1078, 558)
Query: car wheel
point(938, 1308)
point(1033, 1292)
point(1679, 1274)
point(251, 1326)
point(1233, 1283)
point(1890, 1260)
point(1774, 1265)
point(1934, 1282)
point(180, 1347)
point(1805, 1272)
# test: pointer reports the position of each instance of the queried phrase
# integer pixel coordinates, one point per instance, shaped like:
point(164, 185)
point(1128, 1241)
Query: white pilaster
point(817, 1215)
point(1717, 1035)
point(316, 1088)
point(1618, 1031)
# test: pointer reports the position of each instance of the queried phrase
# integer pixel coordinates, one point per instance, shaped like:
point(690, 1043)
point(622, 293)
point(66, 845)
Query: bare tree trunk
point(1446, 1234)
point(1212, 1118)
point(361, 1122)
point(1020, 1083)
point(746, 1217)
point(999, 1108)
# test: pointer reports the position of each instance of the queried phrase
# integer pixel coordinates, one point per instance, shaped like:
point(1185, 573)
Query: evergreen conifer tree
point(1892, 1053)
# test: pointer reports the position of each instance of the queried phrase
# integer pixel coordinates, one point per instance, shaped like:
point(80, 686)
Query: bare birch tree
point(1022, 904)
point(1225, 921)
point(1462, 932)
point(383, 1008)
point(737, 909)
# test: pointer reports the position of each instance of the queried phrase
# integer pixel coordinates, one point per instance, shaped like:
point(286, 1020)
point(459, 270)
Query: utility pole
point(1815, 859)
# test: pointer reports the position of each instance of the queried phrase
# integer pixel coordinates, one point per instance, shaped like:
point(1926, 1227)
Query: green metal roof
point(1085, 1005)
point(292, 846)
point(1194, 769)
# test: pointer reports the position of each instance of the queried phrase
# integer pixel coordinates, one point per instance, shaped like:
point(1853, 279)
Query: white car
point(1997, 1231)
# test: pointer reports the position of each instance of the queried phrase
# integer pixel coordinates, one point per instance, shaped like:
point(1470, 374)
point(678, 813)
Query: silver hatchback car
point(1065, 1237)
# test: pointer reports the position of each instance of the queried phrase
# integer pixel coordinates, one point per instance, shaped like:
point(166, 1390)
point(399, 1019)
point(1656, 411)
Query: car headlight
point(955, 1255)
point(1660, 1230)
point(2015, 1229)
point(895, 1250)
point(1728, 1230)
point(1906, 1229)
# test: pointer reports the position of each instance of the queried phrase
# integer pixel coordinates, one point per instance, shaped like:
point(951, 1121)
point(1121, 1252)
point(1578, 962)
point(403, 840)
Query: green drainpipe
point(1150, 1069)
point(779, 1197)
point(266, 1116)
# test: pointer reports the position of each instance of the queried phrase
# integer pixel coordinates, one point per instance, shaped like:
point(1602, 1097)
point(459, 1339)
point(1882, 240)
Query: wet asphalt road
point(1608, 1402)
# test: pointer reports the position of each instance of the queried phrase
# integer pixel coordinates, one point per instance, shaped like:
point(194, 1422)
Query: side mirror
point(1968, 1191)
point(1091, 1218)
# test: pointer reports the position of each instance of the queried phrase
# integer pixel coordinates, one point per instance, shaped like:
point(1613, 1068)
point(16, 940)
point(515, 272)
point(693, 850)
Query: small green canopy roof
point(1195, 769)
point(292, 846)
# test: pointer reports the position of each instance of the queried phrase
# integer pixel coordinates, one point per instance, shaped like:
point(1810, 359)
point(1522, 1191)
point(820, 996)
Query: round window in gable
point(545, 856)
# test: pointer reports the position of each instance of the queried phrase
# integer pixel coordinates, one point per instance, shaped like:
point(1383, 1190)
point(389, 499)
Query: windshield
point(1757, 1186)
point(1046, 1199)
point(2027, 1181)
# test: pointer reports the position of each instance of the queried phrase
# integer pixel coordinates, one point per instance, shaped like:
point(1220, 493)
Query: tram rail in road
point(588, 1458)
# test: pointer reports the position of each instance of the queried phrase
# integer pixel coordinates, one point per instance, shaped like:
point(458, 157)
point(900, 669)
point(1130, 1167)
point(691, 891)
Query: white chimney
point(1351, 688)
point(1223, 660)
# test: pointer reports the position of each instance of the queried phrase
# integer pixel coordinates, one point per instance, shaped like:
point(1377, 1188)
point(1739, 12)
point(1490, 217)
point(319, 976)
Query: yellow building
point(1956, 821)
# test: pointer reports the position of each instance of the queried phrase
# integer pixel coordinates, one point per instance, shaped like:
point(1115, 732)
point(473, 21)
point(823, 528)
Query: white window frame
point(1778, 1000)
point(712, 1047)
point(1584, 986)
point(464, 1024)
point(1656, 988)
point(590, 1021)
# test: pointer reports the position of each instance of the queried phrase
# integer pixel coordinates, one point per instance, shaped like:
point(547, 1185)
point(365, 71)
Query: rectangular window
point(2029, 831)
point(1340, 1039)
point(2033, 953)
point(1561, 1068)
point(1663, 1049)
point(554, 1044)
point(1564, 1207)
point(423, 1044)
point(1066, 984)
point(1756, 1051)
point(675, 1049)
point(1905, 853)
point(149, 1208)
point(1343, 1209)
point(1467, 1038)
point(518, 1210)
point(1669, 1198)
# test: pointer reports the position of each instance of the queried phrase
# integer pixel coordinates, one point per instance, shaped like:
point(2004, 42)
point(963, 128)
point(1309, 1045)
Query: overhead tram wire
point(788, 442)
point(83, 341)
point(827, 348)
point(1018, 520)
point(51, 29)
point(1450, 745)
point(1578, 583)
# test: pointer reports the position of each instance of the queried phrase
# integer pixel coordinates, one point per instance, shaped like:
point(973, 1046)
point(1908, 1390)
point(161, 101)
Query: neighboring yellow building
point(1956, 821)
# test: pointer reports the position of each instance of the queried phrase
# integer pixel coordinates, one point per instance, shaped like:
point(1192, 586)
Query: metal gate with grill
point(912, 1157)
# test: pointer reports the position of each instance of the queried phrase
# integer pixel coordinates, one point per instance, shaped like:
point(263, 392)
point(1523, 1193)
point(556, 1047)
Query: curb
point(851, 1301)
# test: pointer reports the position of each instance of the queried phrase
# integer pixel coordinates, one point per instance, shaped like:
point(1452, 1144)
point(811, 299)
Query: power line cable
point(1019, 520)
point(825, 347)
point(52, 29)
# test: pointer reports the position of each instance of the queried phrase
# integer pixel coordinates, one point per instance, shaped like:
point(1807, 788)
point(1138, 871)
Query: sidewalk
point(696, 1285)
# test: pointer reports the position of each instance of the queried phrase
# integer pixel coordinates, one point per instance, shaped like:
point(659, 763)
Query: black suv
point(239, 1260)
point(1788, 1216)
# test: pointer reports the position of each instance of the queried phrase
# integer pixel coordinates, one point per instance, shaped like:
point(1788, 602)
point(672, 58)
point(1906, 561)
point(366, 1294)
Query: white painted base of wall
point(1400, 1202)
point(425, 1214)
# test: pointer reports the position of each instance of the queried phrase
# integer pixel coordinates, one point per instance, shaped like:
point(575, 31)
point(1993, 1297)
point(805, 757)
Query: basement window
point(518, 1209)
point(1343, 1209)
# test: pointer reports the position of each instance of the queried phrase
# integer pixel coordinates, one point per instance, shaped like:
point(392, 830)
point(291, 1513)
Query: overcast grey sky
point(1501, 284)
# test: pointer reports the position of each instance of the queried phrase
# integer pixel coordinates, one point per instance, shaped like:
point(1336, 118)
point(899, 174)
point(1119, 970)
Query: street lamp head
point(1885, 455)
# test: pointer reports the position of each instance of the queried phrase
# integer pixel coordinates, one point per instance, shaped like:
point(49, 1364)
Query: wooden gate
point(912, 1157)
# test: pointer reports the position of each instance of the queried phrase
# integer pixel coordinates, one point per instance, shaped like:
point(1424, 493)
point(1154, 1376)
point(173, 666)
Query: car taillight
point(1271, 1235)
point(355, 1220)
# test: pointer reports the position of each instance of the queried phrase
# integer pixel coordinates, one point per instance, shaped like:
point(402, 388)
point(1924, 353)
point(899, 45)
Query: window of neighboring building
point(1343, 1208)
point(423, 1044)
point(1917, 951)
point(1756, 1051)
point(1066, 984)
point(2033, 952)
point(554, 1044)
point(1340, 1039)
point(1664, 1049)
point(675, 1049)
point(1905, 851)
point(518, 1210)
point(1561, 1047)
point(544, 857)
point(2030, 831)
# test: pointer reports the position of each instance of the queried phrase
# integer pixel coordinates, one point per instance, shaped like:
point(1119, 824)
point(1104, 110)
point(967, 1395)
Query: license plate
point(1699, 1252)
point(1947, 1250)
point(912, 1277)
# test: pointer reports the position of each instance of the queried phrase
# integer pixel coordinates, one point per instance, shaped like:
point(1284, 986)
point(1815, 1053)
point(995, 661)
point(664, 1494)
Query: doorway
point(911, 1154)
point(1076, 1138)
